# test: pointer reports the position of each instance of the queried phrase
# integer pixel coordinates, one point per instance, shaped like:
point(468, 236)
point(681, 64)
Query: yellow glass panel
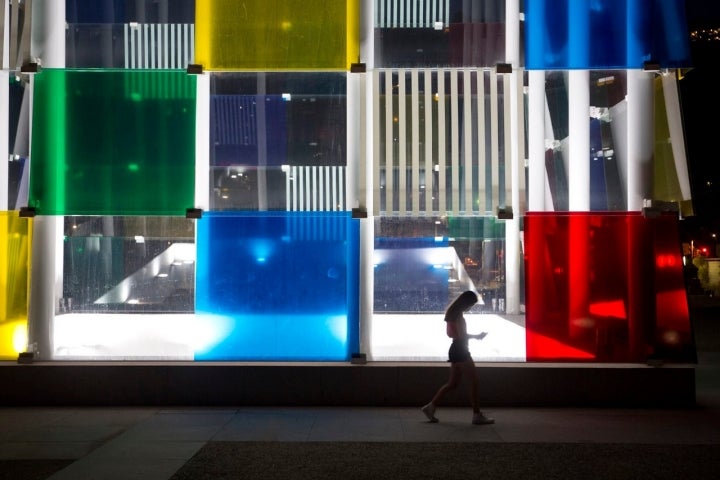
point(277, 34)
point(15, 241)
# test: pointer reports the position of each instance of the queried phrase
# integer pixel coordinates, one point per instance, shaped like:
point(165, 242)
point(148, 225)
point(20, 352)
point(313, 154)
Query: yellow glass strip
point(15, 242)
point(276, 34)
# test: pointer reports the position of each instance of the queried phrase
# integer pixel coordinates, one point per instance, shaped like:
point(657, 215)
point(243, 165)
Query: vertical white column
point(467, 142)
point(536, 141)
point(579, 148)
point(641, 138)
point(368, 159)
point(402, 142)
point(454, 143)
point(442, 150)
point(415, 141)
point(482, 157)
point(47, 44)
point(202, 143)
point(389, 123)
point(355, 147)
point(4, 105)
point(578, 164)
point(428, 142)
point(512, 227)
point(261, 122)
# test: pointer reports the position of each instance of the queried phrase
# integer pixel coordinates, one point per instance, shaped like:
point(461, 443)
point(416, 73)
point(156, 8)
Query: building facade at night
point(282, 180)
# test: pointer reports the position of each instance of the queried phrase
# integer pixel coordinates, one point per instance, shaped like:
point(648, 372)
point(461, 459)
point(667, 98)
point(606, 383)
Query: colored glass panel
point(113, 142)
point(277, 34)
point(421, 264)
point(128, 264)
point(15, 251)
point(605, 287)
point(437, 33)
point(280, 285)
point(591, 34)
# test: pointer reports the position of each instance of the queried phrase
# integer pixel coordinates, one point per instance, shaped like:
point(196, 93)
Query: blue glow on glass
point(605, 34)
point(280, 282)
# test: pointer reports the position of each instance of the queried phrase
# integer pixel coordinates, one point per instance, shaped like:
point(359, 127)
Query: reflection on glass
point(278, 141)
point(440, 141)
point(129, 45)
point(128, 264)
point(113, 142)
point(439, 33)
point(605, 287)
point(607, 120)
point(583, 34)
point(277, 34)
point(280, 284)
point(421, 264)
point(124, 11)
point(15, 250)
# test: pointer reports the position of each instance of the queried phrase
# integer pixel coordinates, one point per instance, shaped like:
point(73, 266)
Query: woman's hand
point(480, 335)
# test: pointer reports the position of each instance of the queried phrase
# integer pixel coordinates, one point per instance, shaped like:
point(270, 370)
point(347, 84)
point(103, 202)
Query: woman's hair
point(464, 301)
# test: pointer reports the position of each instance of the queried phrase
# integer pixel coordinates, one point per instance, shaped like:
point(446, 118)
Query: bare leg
point(468, 369)
point(456, 372)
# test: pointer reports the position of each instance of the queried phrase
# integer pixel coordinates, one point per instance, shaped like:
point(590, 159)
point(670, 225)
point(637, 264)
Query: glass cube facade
point(304, 181)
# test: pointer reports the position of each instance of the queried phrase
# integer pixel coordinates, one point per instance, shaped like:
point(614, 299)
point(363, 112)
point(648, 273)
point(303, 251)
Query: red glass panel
point(605, 287)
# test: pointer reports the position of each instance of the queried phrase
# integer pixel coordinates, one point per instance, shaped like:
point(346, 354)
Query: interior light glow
point(139, 239)
point(133, 301)
point(162, 275)
point(20, 337)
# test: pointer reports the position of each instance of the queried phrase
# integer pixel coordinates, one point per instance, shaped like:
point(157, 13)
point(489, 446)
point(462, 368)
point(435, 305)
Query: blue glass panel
point(278, 284)
point(590, 34)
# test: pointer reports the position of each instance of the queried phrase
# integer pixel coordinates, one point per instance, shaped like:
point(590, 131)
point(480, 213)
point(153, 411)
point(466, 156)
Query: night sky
point(700, 100)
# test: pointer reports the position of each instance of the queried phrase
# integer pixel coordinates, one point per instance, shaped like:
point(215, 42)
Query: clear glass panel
point(605, 287)
point(15, 251)
point(278, 141)
point(278, 285)
point(277, 34)
point(439, 33)
point(128, 264)
point(592, 34)
point(113, 142)
point(129, 45)
point(607, 123)
point(124, 11)
point(18, 142)
point(440, 142)
point(422, 264)
point(666, 185)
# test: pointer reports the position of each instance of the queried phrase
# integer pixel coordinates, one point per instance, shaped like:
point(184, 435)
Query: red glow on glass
point(542, 347)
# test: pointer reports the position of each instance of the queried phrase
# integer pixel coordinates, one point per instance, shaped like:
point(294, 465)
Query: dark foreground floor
point(522, 461)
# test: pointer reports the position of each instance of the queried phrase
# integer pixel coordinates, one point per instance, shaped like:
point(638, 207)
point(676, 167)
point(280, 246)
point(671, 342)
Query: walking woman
point(461, 362)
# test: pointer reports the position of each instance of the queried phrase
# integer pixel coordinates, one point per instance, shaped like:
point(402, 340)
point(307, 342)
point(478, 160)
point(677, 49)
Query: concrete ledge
point(340, 384)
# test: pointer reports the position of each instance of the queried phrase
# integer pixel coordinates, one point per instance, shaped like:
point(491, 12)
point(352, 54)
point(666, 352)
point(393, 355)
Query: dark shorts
point(459, 352)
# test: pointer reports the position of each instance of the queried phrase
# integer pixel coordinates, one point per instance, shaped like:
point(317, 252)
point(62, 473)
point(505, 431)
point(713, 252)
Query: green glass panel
point(113, 142)
point(15, 238)
point(276, 34)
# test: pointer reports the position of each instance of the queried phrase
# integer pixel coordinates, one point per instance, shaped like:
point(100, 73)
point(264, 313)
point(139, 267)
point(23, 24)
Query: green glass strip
point(113, 142)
